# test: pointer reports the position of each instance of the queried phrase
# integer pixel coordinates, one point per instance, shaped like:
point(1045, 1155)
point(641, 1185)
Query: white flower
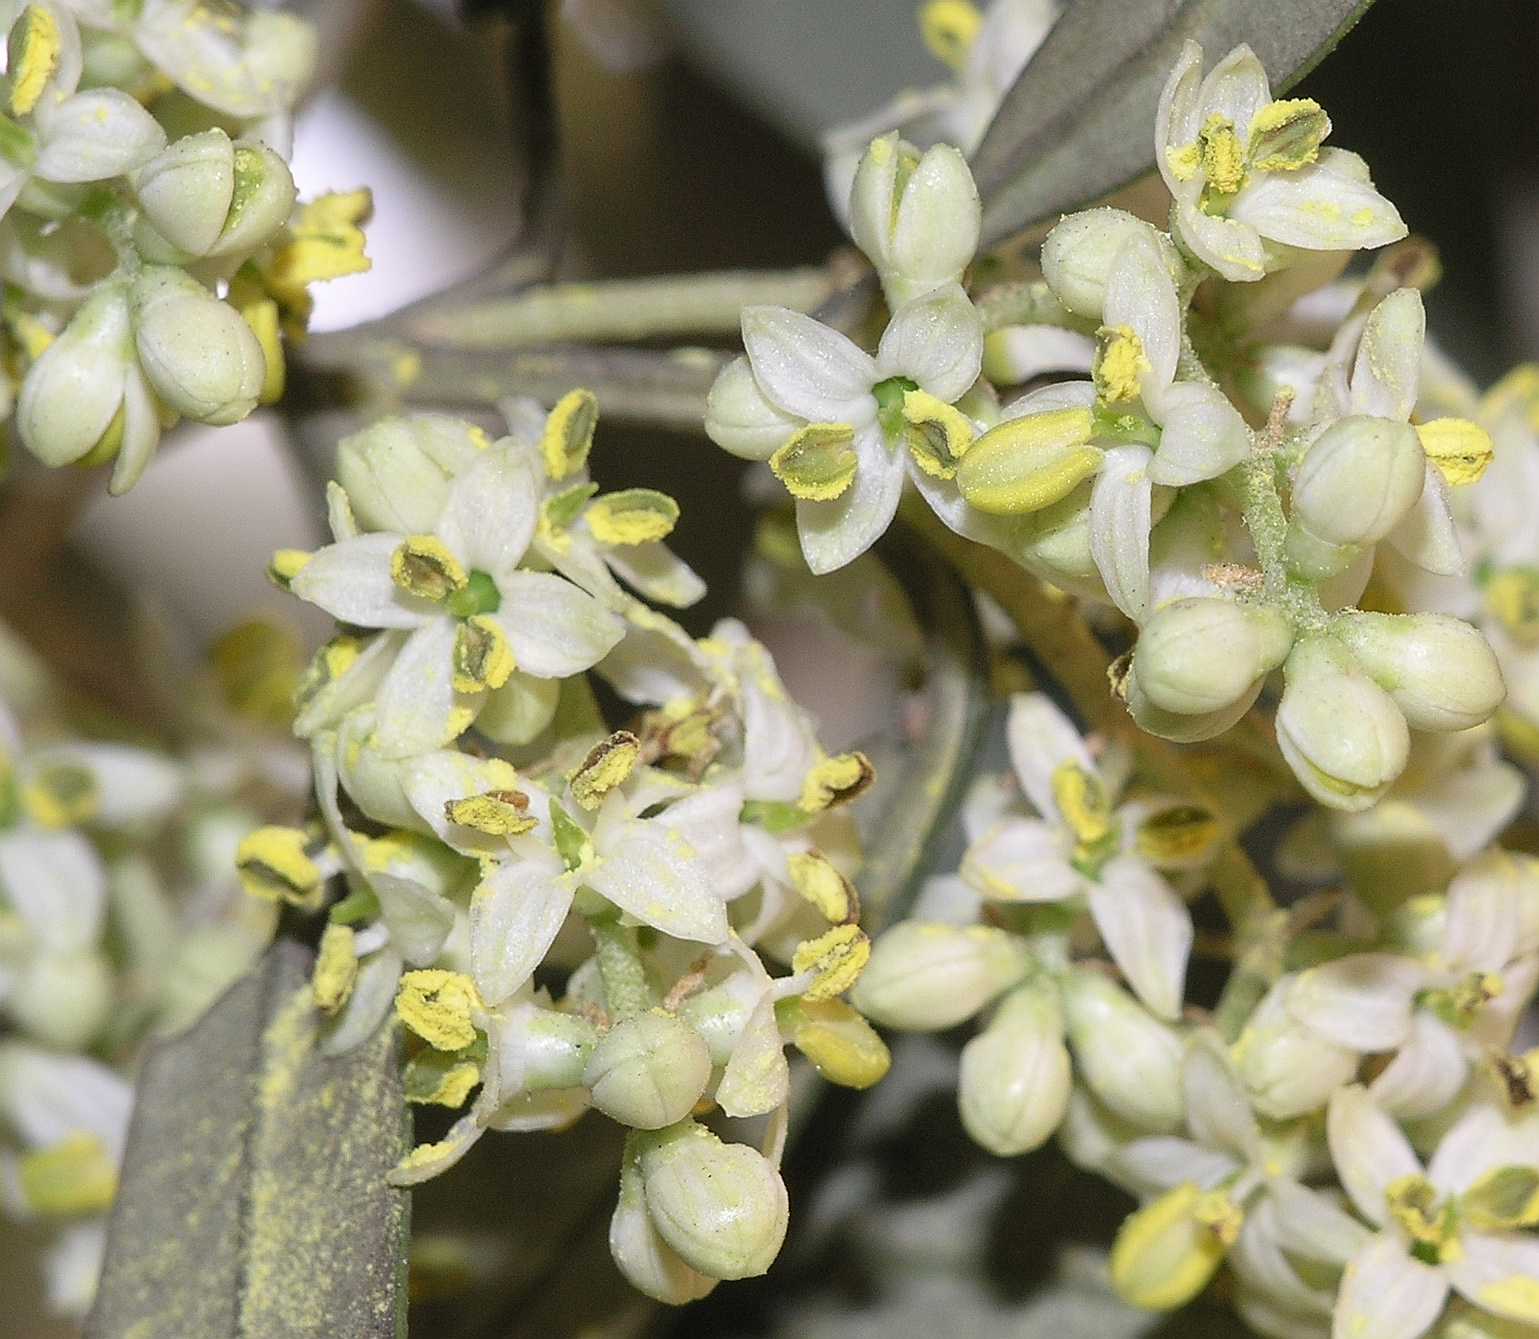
point(1457, 1224)
point(478, 623)
point(1080, 846)
point(843, 428)
point(1245, 170)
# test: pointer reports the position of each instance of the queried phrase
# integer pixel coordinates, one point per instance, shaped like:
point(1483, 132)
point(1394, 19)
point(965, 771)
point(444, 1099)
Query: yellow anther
point(430, 1080)
point(1516, 1296)
point(1517, 390)
point(1028, 463)
point(423, 566)
point(437, 1005)
point(1461, 450)
point(1503, 1200)
point(818, 462)
point(69, 1179)
point(819, 883)
point(950, 28)
point(568, 435)
point(29, 333)
point(34, 56)
point(1184, 161)
point(836, 958)
point(843, 1047)
point(257, 666)
point(336, 969)
point(60, 795)
point(324, 241)
point(286, 564)
point(939, 434)
point(1286, 135)
point(836, 780)
point(497, 813)
point(1120, 364)
point(1165, 1254)
point(1184, 833)
point(1220, 1215)
point(482, 657)
point(1414, 1205)
point(274, 864)
point(632, 516)
point(607, 765)
point(1081, 799)
point(1222, 156)
point(1512, 596)
point(262, 316)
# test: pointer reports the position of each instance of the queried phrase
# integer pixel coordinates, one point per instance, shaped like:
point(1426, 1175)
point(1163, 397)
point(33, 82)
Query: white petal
point(655, 876)
point(1120, 521)
point(490, 514)
point(515, 915)
point(1427, 535)
point(656, 573)
point(356, 686)
point(351, 581)
point(1483, 1139)
point(73, 1264)
point(554, 629)
point(835, 533)
point(134, 786)
point(1311, 1225)
point(1042, 739)
point(1387, 369)
point(937, 340)
point(96, 135)
point(1258, 1259)
point(1385, 1294)
point(1202, 435)
point(1022, 860)
point(1232, 248)
point(1368, 1149)
point(1153, 1165)
point(367, 1006)
point(1060, 395)
point(141, 432)
point(1499, 1273)
point(46, 1097)
point(416, 702)
point(708, 821)
point(418, 918)
point(1141, 294)
point(1236, 88)
point(1362, 1002)
point(1480, 932)
point(1427, 1073)
point(55, 883)
point(739, 419)
point(519, 711)
point(1146, 928)
point(1469, 808)
point(432, 780)
point(806, 369)
point(1016, 354)
point(1179, 114)
point(757, 1078)
point(1319, 208)
point(1218, 1111)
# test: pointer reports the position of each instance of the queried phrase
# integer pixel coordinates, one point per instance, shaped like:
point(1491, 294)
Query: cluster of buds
point(566, 912)
point(120, 921)
point(154, 258)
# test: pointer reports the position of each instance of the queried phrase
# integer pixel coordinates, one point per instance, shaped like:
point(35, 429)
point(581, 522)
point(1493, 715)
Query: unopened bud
point(397, 472)
point(1167, 1251)
point(199, 355)
point(1077, 256)
point(1201, 655)
point(1015, 1076)
point(208, 196)
point(62, 999)
point(1441, 671)
point(72, 396)
point(1342, 734)
point(1028, 463)
point(648, 1071)
point(1358, 480)
point(922, 977)
point(649, 1263)
point(1288, 1069)
point(739, 419)
point(916, 217)
point(1129, 1059)
point(722, 1207)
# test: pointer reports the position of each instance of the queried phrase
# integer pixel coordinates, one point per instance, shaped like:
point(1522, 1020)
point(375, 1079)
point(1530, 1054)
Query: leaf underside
point(1079, 121)
point(253, 1202)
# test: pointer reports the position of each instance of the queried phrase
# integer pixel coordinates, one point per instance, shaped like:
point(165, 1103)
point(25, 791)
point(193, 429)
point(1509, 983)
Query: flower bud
point(1166, 1252)
point(1201, 655)
point(648, 1071)
point(738, 417)
point(207, 196)
point(541, 1049)
point(722, 1207)
point(1028, 463)
point(1129, 1059)
point(916, 218)
point(198, 353)
point(1077, 256)
point(1015, 1077)
point(397, 472)
point(1441, 671)
point(1342, 734)
point(649, 1263)
point(62, 999)
point(922, 978)
point(1357, 481)
point(1288, 1069)
point(72, 395)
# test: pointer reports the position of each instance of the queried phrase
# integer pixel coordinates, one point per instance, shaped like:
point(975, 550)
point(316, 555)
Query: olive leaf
point(1079, 121)
point(253, 1202)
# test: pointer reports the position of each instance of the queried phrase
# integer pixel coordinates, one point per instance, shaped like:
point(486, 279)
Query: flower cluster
point(564, 914)
point(120, 920)
point(153, 256)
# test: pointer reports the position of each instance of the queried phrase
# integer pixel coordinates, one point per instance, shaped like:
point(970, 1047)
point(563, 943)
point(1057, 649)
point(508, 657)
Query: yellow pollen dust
point(273, 865)
point(1082, 802)
point(336, 969)
point(1120, 364)
point(1413, 1204)
point(35, 56)
point(482, 657)
point(837, 959)
point(1222, 155)
point(836, 780)
point(1461, 450)
point(822, 885)
point(568, 436)
point(437, 1005)
point(843, 1047)
point(607, 765)
point(632, 516)
point(939, 434)
point(497, 813)
point(423, 566)
point(818, 462)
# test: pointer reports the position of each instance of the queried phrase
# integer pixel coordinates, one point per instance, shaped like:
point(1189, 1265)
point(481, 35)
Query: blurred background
point(705, 157)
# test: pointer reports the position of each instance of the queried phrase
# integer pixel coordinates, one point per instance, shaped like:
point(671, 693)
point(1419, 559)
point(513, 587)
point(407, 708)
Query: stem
point(1260, 932)
point(1027, 303)
point(622, 310)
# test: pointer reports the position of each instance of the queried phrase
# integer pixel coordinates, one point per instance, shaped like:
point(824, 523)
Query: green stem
point(1260, 931)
